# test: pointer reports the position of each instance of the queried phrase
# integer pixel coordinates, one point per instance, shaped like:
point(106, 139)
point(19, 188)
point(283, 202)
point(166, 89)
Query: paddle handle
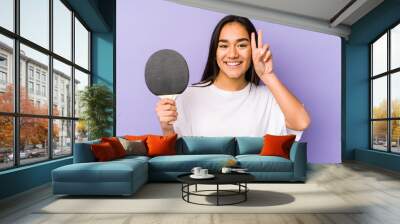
point(172, 97)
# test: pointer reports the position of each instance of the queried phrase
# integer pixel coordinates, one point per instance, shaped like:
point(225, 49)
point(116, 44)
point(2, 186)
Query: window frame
point(16, 115)
point(388, 74)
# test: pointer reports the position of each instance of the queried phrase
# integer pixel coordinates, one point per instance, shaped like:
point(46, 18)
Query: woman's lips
point(235, 64)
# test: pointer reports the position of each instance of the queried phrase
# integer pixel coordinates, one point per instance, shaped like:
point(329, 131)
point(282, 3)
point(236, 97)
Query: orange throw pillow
point(103, 152)
point(136, 137)
point(161, 145)
point(277, 145)
point(116, 145)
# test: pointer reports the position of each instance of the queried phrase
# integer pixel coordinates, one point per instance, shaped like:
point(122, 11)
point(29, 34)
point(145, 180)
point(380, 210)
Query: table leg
point(217, 194)
point(245, 193)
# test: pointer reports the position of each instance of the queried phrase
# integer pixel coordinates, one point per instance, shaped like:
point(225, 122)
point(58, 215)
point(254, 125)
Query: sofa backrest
point(83, 152)
point(192, 145)
point(253, 145)
point(249, 145)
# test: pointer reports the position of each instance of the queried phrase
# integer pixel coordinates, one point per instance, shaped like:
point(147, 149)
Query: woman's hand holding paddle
point(167, 114)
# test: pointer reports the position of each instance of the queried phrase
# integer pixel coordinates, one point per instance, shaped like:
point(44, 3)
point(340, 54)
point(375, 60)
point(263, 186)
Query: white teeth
point(233, 63)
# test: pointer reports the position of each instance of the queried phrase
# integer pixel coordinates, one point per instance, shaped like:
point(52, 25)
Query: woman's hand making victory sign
point(262, 57)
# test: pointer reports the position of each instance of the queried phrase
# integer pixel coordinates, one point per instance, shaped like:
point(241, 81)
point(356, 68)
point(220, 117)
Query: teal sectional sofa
point(125, 176)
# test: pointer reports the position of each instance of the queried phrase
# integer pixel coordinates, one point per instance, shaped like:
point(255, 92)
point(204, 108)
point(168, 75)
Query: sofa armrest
point(298, 155)
point(83, 152)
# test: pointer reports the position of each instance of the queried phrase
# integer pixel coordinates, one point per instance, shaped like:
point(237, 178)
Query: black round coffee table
point(238, 179)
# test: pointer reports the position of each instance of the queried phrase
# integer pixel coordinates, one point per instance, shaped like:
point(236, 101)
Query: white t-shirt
point(210, 111)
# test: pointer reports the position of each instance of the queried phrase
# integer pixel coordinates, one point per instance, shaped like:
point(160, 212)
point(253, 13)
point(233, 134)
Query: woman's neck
point(225, 83)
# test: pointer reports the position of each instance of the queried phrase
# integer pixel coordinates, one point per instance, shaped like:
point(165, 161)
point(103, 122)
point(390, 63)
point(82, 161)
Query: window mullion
point(73, 82)
point(388, 96)
point(50, 87)
point(16, 84)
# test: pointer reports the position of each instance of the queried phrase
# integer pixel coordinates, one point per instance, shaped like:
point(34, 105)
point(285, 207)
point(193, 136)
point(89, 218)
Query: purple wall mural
point(308, 63)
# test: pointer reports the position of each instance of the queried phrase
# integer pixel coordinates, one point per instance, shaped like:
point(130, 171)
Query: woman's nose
point(232, 53)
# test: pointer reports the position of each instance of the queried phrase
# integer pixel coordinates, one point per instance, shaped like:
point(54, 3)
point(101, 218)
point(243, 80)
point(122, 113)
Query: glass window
point(62, 137)
point(395, 47)
point(62, 75)
point(6, 142)
point(385, 94)
point(34, 21)
point(379, 56)
point(81, 45)
point(395, 138)
point(37, 75)
point(33, 140)
point(34, 79)
point(81, 131)
point(81, 81)
point(395, 95)
point(62, 29)
point(3, 78)
point(379, 135)
point(30, 71)
point(43, 90)
point(379, 100)
point(3, 60)
point(37, 89)
point(30, 87)
point(40, 62)
point(7, 14)
point(6, 73)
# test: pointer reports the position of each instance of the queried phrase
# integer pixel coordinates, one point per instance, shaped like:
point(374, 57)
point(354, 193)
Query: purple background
point(308, 63)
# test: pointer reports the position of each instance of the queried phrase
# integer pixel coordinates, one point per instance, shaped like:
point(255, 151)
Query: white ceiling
point(327, 16)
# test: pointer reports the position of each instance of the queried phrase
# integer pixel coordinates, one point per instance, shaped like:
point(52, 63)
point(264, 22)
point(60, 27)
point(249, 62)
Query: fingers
point(166, 111)
point(261, 53)
point(260, 44)
point(267, 56)
point(253, 42)
point(264, 50)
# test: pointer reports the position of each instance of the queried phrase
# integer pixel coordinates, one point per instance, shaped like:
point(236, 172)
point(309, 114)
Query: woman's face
point(233, 51)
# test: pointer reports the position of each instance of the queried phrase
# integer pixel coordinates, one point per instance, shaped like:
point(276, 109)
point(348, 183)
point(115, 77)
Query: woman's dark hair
point(211, 70)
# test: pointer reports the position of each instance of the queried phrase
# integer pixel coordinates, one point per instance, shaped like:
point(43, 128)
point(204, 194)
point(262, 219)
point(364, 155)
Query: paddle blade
point(166, 73)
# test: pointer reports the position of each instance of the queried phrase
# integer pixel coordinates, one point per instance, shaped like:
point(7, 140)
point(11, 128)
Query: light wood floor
point(378, 188)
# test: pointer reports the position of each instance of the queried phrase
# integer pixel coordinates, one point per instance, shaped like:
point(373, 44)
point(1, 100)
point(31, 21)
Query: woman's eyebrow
point(238, 40)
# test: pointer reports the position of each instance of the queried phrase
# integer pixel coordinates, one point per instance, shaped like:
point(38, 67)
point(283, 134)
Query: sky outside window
point(7, 14)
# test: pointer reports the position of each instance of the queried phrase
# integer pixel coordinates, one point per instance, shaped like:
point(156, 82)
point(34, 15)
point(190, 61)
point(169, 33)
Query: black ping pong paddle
point(166, 73)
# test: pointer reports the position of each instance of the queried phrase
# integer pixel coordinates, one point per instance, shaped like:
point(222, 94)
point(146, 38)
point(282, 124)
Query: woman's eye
point(223, 46)
point(242, 45)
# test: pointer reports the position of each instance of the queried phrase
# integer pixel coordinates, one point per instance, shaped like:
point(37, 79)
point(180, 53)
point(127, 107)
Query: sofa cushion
point(134, 147)
point(249, 145)
point(116, 145)
point(275, 145)
point(103, 152)
point(111, 171)
point(161, 145)
point(257, 163)
point(185, 163)
point(193, 145)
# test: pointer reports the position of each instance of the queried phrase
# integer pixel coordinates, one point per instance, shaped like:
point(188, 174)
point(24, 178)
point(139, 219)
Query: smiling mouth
point(233, 64)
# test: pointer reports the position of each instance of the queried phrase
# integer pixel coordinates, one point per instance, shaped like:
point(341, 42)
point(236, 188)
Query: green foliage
point(380, 127)
point(96, 102)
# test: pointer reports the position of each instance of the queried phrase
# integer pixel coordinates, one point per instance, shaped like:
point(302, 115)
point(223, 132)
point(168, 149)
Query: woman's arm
point(296, 116)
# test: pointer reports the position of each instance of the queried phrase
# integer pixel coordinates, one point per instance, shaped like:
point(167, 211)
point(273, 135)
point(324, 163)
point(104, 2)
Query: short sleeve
point(181, 125)
point(276, 120)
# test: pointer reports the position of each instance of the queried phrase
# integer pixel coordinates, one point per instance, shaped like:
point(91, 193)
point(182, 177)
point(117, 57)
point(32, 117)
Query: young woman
point(228, 101)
